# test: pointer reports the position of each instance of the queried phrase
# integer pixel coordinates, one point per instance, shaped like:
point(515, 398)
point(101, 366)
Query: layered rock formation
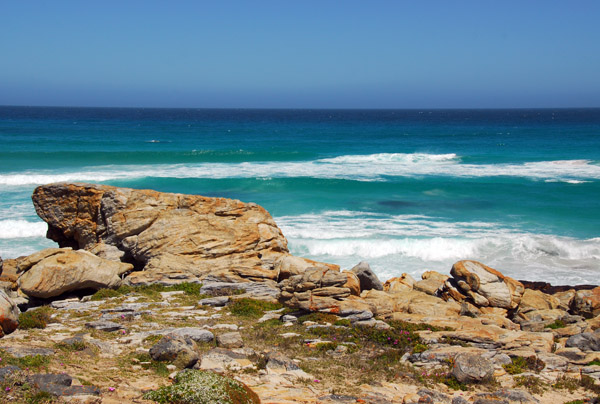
point(172, 237)
point(55, 271)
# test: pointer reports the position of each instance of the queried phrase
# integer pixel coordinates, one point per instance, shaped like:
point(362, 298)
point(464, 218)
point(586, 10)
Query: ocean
point(404, 190)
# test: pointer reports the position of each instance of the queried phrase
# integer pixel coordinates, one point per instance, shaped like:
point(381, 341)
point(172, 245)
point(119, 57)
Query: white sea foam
point(10, 229)
point(374, 167)
point(412, 244)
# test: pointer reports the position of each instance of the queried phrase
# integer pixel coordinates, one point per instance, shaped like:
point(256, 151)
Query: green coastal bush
point(252, 308)
point(36, 318)
point(203, 387)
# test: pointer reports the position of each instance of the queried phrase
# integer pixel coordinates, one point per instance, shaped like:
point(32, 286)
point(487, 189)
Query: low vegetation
point(36, 318)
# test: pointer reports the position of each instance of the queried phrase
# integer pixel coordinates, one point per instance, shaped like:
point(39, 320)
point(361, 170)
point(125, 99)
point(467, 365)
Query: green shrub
point(535, 385)
point(594, 362)
point(251, 307)
point(556, 325)
point(202, 387)
point(36, 318)
point(520, 364)
point(318, 317)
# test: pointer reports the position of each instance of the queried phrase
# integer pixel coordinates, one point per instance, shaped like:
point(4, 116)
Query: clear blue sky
point(303, 54)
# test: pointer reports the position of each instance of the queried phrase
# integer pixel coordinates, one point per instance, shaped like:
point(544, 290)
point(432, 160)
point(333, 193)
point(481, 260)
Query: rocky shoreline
point(187, 282)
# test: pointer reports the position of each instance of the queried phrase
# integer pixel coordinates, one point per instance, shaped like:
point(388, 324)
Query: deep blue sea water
point(405, 190)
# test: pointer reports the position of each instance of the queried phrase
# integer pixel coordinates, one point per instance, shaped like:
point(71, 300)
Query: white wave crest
point(10, 229)
point(413, 244)
point(374, 167)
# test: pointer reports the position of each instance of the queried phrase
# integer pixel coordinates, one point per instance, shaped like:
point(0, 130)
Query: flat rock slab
point(61, 385)
point(75, 304)
point(222, 360)
point(197, 334)
point(230, 340)
point(107, 326)
point(218, 301)
point(8, 370)
point(22, 351)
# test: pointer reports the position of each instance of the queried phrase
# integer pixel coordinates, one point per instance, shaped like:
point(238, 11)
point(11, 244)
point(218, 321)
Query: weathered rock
point(61, 385)
point(173, 348)
point(399, 284)
point(174, 237)
point(587, 341)
point(536, 300)
point(223, 360)
point(483, 285)
point(277, 363)
point(9, 272)
point(7, 371)
point(106, 326)
point(507, 395)
point(218, 301)
point(368, 279)
point(196, 334)
point(266, 290)
point(22, 351)
point(352, 283)
point(430, 282)
point(315, 290)
point(230, 340)
point(469, 368)
point(65, 270)
point(289, 265)
point(9, 314)
point(586, 303)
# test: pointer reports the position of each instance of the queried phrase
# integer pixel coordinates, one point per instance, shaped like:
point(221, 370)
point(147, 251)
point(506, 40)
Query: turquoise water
point(406, 190)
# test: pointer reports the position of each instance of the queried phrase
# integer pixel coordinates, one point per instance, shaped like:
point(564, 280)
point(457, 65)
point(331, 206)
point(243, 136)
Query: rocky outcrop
point(472, 368)
point(482, 285)
point(55, 271)
point(172, 237)
point(9, 315)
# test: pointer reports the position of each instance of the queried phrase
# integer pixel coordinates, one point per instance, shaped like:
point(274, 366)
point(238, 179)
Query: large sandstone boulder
point(430, 282)
point(399, 284)
point(483, 285)
point(9, 315)
point(54, 271)
point(173, 237)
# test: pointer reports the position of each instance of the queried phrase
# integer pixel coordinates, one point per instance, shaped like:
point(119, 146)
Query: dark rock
point(61, 385)
point(586, 341)
point(459, 400)
point(179, 350)
point(366, 276)
point(550, 289)
point(104, 325)
point(62, 379)
point(472, 368)
point(8, 370)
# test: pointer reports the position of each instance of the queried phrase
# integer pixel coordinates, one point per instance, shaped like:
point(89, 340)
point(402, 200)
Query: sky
point(303, 54)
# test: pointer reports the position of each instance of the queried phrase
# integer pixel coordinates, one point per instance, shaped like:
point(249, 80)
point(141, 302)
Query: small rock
point(197, 334)
point(269, 316)
point(472, 368)
point(289, 318)
point(104, 325)
point(230, 340)
point(179, 350)
point(9, 314)
point(22, 351)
